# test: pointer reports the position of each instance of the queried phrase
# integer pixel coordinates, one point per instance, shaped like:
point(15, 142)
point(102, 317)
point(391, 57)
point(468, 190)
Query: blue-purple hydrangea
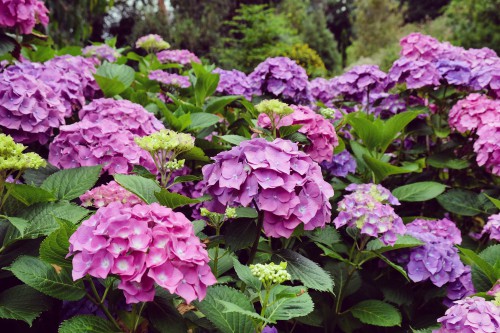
point(341, 164)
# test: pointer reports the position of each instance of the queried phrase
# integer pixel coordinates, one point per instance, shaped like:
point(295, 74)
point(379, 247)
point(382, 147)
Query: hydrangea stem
point(100, 303)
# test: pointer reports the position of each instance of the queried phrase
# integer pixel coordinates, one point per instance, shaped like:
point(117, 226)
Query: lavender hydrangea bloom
point(323, 90)
point(471, 315)
point(387, 105)
point(270, 329)
point(234, 82)
point(107, 143)
point(415, 73)
point(368, 209)
point(23, 14)
point(102, 52)
point(170, 79)
point(182, 57)
point(283, 182)
point(487, 147)
point(474, 111)
point(128, 115)
point(487, 76)
point(283, 77)
point(492, 228)
point(356, 83)
point(341, 164)
point(29, 109)
point(444, 228)
point(460, 288)
point(454, 72)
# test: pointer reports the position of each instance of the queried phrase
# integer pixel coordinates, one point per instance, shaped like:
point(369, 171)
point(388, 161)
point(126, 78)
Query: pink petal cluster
point(416, 46)
point(487, 147)
point(471, 315)
point(182, 57)
point(495, 290)
point(23, 14)
point(473, 112)
point(103, 195)
point(492, 228)
point(234, 82)
point(29, 109)
point(318, 130)
point(106, 143)
point(170, 79)
point(486, 75)
point(142, 245)
point(285, 184)
point(127, 115)
point(368, 209)
point(444, 228)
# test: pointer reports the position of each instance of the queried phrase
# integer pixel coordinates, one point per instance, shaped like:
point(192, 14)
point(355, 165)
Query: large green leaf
point(195, 154)
point(395, 125)
point(377, 313)
point(475, 261)
point(305, 270)
point(383, 169)
point(462, 202)
point(287, 303)
point(205, 83)
point(233, 139)
point(347, 279)
point(53, 281)
point(230, 322)
point(69, 184)
point(496, 202)
point(217, 104)
point(202, 120)
point(421, 191)
point(144, 188)
point(55, 247)
point(245, 275)
point(113, 79)
point(36, 177)
point(240, 234)
point(368, 131)
point(449, 161)
point(174, 200)
point(87, 324)
point(22, 303)
point(402, 242)
point(29, 195)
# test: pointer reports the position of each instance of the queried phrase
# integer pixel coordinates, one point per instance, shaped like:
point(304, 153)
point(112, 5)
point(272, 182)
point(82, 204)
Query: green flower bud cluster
point(274, 107)
point(271, 273)
point(217, 218)
point(230, 213)
point(152, 42)
point(327, 113)
point(13, 159)
point(175, 165)
point(167, 140)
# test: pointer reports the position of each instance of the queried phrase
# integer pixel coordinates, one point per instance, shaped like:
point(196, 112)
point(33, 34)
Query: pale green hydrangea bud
point(175, 165)
point(274, 107)
point(231, 213)
point(152, 42)
point(271, 273)
point(205, 212)
point(327, 113)
point(12, 157)
point(167, 140)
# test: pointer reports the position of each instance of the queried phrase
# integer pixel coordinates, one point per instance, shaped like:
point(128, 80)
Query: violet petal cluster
point(417, 46)
point(359, 81)
point(456, 73)
point(142, 245)
point(323, 90)
point(282, 77)
point(415, 73)
point(471, 315)
point(340, 165)
point(23, 14)
point(128, 115)
point(473, 112)
point(233, 82)
point(486, 75)
point(102, 52)
point(460, 288)
point(29, 109)
point(281, 181)
point(170, 79)
point(106, 143)
point(492, 228)
point(444, 228)
point(182, 57)
point(368, 209)
point(487, 147)
point(102, 196)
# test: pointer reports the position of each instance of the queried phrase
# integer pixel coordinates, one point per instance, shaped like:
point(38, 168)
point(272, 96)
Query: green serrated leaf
point(474, 260)
point(421, 191)
point(383, 169)
point(164, 317)
point(402, 242)
point(233, 308)
point(22, 303)
point(87, 324)
point(377, 313)
point(55, 247)
point(496, 202)
point(233, 139)
point(288, 302)
point(240, 234)
point(29, 195)
point(195, 154)
point(69, 184)
point(174, 200)
point(203, 120)
point(461, 202)
point(245, 275)
point(19, 224)
point(36, 177)
point(113, 79)
point(144, 188)
point(187, 178)
point(449, 161)
point(289, 130)
point(217, 104)
point(327, 235)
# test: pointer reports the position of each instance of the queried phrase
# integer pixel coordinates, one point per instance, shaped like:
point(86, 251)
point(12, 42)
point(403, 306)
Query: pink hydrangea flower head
point(283, 77)
point(492, 228)
point(417, 46)
point(487, 147)
point(233, 82)
point(29, 109)
point(415, 73)
point(318, 130)
point(23, 14)
point(103, 195)
point(360, 81)
point(142, 245)
point(170, 79)
point(473, 112)
point(102, 52)
point(281, 181)
point(105, 143)
point(495, 290)
point(368, 209)
point(182, 57)
point(128, 115)
point(470, 315)
point(444, 228)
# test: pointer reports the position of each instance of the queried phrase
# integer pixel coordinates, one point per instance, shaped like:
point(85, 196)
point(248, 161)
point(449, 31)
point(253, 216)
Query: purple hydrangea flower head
point(106, 143)
point(476, 57)
point(323, 90)
point(23, 14)
point(417, 46)
point(281, 181)
point(454, 72)
point(473, 112)
point(103, 195)
point(102, 52)
point(460, 288)
point(387, 105)
point(487, 76)
point(318, 130)
point(29, 109)
point(128, 115)
point(492, 228)
point(356, 83)
point(470, 315)
point(234, 82)
point(444, 228)
point(368, 209)
point(170, 79)
point(415, 73)
point(283, 77)
point(182, 57)
point(341, 164)
point(142, 245)
point(487, 147)
point(270, 329)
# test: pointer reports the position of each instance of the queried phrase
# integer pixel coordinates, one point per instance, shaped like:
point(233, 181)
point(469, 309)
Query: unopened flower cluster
point(23, 15)
point(102, 196)
point(281, 181)
point(340, 165)
point(233, 82)
point(271, 273)
point(170, 79)
point(152, 42)
point(142, 245)
point(102, 52)
point(12, 157)
point(368, 209)
point(182, 57)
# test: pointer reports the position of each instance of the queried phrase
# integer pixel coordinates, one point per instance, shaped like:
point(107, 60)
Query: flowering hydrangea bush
point(473, 112)
point(23, 14)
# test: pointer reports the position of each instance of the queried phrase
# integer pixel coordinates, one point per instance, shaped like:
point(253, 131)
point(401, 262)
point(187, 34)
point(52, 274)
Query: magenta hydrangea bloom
point(103, 195)
point(281, 181)
point(460, 288)
point(234, 82)
point(341, 164)
point(356, 83)
point(473, 112)
point(492, 228)
point(29, 109)
point(444, 228)
point(170, 79)
point(415, 73)
point(142, 245)
point(470, 315)
point(105, 143)
point(487, 147)
point(318, 130)
point(282, 77)
point(368, 209)
point(270, 329)
point(127, 115)
point(102, 52)
point(323, 90)
point(182, 57)
point(23, 14)
point(495, 290)
point(417, 46)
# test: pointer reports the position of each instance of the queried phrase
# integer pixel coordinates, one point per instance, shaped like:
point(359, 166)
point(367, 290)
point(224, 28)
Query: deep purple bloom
point(460, 288)
point(341, 164)
point(359, 81)
point(323, 90)
point(270, 329)
point(454, 72)
point(492, 228)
